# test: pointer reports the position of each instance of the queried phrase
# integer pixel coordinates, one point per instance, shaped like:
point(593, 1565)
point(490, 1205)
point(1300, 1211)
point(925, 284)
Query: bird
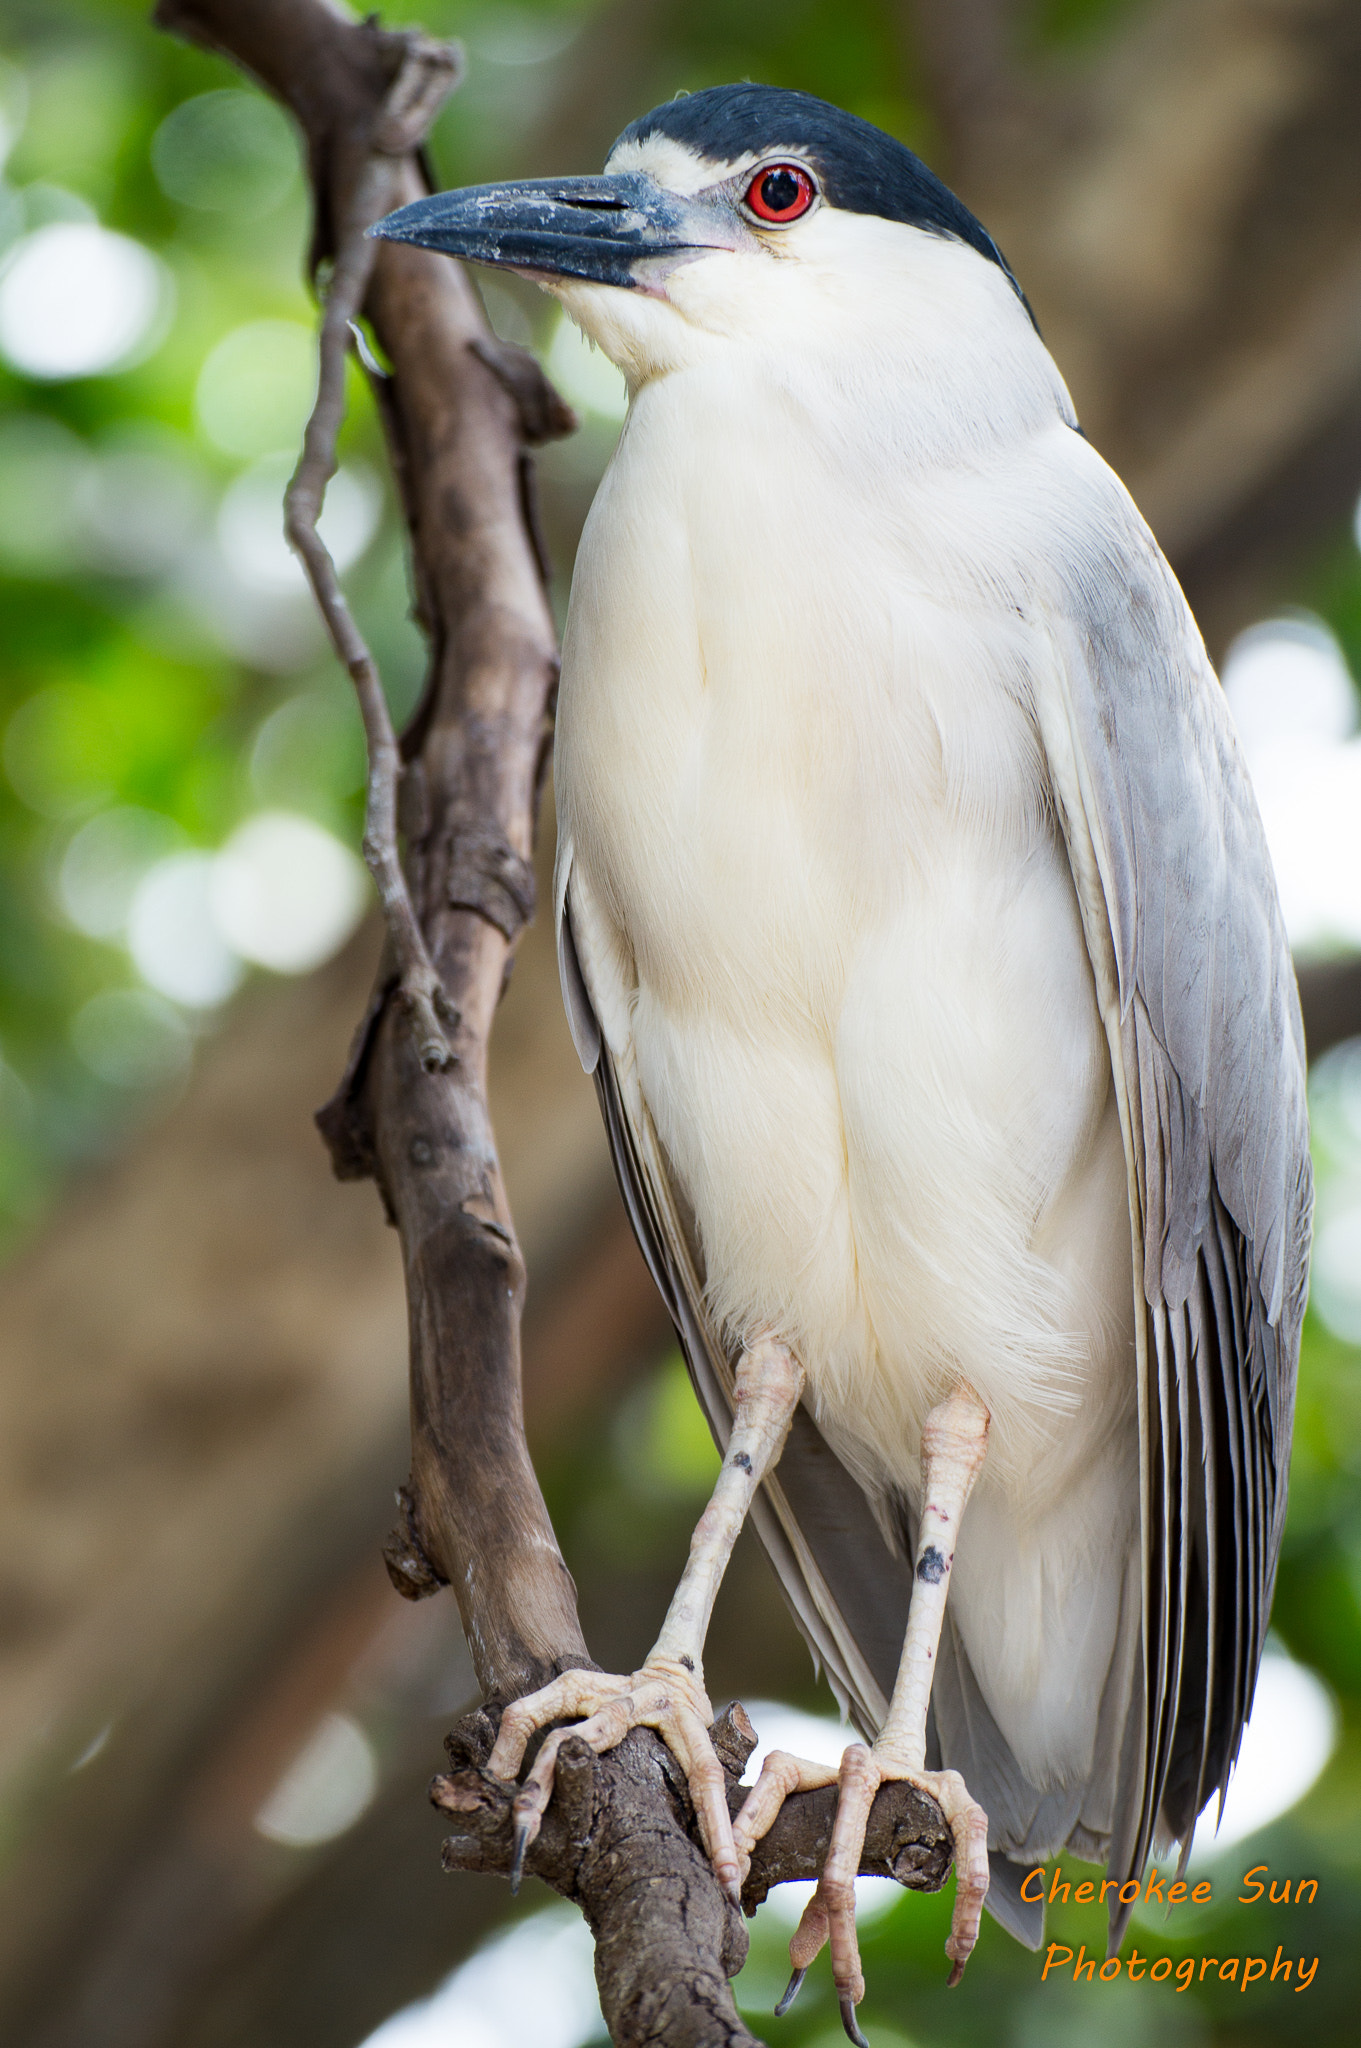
point(916, 922)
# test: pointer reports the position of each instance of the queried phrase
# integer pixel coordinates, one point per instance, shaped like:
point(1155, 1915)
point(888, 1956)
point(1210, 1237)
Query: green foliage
point(152, 661)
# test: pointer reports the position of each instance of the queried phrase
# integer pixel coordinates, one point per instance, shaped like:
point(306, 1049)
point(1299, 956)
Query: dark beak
point(602, 228)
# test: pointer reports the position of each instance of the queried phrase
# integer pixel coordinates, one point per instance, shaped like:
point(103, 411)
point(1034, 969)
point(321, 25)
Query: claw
point(526, 1827)
point(791, 1992)
point(849, 2020)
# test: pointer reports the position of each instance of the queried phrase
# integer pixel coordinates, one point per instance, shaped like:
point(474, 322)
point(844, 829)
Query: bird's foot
point(664, 1695)
point(830, 1914)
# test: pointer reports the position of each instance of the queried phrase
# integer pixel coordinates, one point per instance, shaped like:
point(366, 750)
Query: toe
point(780, 1776)
point(846, 1972)
point(530, 1801)
point(525, 1827)
point(523, 1718)
point(709, 1791)
point(606, 1727)
point(518, 1723)
point(671, 1701)
point(859, 1780)
point(808, 1938)
point(968, 1825)
point(830, 1914)
point(970, 1831)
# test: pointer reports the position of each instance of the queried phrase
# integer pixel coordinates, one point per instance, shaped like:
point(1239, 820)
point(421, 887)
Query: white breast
point(823, 909)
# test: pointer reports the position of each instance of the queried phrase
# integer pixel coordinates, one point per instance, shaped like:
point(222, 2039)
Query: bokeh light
point(285, 893)
point(77, 300)
point(250, 527)
point(1294, 703)
point(1335, 1113)
point(256, 387)
point(326, 1788)
point(45, 470)
point(226, 152)
point(132, 1038)
point(282, 893)
point(105, 861)
point(176, 943)
point(144, 502)
point(13, 107)
point(309, 753)
point(534, 1983)
point(1290, 1735)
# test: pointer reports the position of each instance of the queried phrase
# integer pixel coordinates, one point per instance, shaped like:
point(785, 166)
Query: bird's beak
point(609, 230)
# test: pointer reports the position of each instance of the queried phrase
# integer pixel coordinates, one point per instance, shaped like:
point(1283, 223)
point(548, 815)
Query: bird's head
point(739, 214)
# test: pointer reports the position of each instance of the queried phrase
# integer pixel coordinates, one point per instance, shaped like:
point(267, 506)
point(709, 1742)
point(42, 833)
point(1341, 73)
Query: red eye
point(780, 192)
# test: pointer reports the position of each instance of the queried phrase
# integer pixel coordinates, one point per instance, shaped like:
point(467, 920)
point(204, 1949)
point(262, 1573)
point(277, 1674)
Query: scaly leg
point(954, 1440)
point(668, 1692)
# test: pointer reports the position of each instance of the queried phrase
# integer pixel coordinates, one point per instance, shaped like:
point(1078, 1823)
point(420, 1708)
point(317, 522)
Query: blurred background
point(216, 1719)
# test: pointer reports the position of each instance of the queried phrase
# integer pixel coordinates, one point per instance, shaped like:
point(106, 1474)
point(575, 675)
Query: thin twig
point(428, 74)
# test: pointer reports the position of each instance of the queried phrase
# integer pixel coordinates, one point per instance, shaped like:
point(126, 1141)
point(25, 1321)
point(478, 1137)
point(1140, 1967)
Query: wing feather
point(1198, 996)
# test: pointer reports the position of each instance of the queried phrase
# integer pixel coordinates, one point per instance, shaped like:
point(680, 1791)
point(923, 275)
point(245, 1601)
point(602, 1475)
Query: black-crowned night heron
point(917, 926)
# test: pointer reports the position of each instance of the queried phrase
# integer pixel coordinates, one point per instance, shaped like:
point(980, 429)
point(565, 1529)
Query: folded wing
point(1198, 997)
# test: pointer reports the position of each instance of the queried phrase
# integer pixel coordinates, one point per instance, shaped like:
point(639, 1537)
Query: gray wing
point(848, 1591)
point(1184, 928)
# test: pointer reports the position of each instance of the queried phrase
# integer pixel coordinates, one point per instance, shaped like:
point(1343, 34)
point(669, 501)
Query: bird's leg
point(668, 1692)
point(954, 1440)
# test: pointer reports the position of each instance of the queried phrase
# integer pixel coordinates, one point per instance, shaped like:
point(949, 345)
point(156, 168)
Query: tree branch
point(429, 72)
point(459, 409)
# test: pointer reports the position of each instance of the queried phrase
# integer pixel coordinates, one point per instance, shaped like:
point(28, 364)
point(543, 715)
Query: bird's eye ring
point(780, 193)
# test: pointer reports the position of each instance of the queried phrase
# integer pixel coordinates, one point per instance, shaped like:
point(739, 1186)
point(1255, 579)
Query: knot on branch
point(429, 71)
point(344, 1121)
point(734, 1739)
point(487, 875)
point(544, 415)
point(408, 1567)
